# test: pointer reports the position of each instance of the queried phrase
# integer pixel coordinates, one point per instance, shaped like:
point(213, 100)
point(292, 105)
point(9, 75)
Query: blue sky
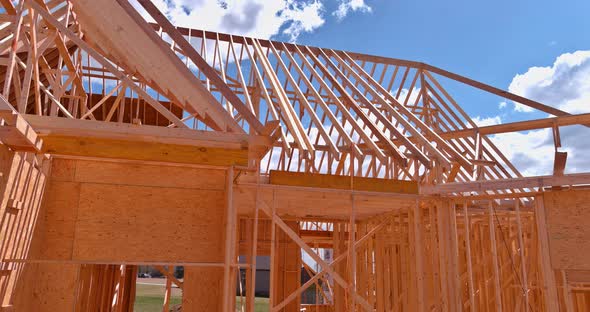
point(490, 42)
point(537, 49)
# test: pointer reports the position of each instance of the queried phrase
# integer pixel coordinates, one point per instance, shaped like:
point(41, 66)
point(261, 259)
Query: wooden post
point(338, 247)
point(454, 254)
point(273, 246)
point(352, 254)
point(352, 238)
point(167, 294)
point(567, 293)
point(420, 286)
point(497, 289)
point(521, 246)
point(551, 301)
point(467, 222)
point(252, 289)
point(443, 255)
point(229, 231)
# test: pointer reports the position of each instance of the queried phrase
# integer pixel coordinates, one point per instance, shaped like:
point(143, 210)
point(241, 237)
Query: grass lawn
point(149, 298)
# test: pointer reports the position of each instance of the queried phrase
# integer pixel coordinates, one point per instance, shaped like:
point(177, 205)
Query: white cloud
point(346, 6)
point(487, 121)
point(533, 152)
point(529, 151)
point(563, 85)
point(502, 104)
point(253, 18)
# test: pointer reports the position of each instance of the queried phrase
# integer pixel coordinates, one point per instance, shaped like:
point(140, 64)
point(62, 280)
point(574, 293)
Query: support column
point(497, 288)
point(339, 247)
point(449, 264)
point(551, 300)
point(287, 268)
point(418, 257)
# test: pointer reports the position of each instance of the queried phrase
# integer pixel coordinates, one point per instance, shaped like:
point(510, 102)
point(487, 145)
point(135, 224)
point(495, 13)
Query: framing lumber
point(127, 143)
point(507, 184)
point(317, 180)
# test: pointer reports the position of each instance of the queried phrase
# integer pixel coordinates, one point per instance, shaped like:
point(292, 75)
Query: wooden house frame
point(127, 142)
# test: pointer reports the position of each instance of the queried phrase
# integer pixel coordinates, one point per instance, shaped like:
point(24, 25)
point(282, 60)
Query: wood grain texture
point(136, 223)
point(568, 227)
point(124, 149)
point(203, 288)
point(342, 182)
point(109, 211)
point(47, 287)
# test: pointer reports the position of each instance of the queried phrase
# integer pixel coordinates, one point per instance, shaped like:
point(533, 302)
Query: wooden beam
point(342, 182)
point(17, 133)
point(495, 263)
point(496, 91)
point(549, 285)
point(468, 258)
point(341, 257)
point(506, 184)
point(230, 230)
point(133, 150)
point(196, 58)
point(99, 58)
point(559, 163)
point(325, 266)
point(49, 126)
point(169, 275)
point(567, 120)
point(396, 115)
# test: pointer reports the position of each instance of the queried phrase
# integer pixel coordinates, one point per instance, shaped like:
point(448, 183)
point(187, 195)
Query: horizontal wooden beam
point(569, 120)
point(329, 181)
point(89, 138)
point(125, 149)
point(17, 133)
point(505, 184)
point(45, 125)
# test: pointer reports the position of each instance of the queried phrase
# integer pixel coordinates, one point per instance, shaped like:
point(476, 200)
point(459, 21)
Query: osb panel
point(203, 289)
point(138, 223)
point(568, 227)
point(59, 219)
point(63, 169)
point(47, 288)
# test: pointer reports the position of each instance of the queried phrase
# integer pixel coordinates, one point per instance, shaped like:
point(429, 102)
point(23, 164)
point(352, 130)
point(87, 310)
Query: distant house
point(262, 276)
